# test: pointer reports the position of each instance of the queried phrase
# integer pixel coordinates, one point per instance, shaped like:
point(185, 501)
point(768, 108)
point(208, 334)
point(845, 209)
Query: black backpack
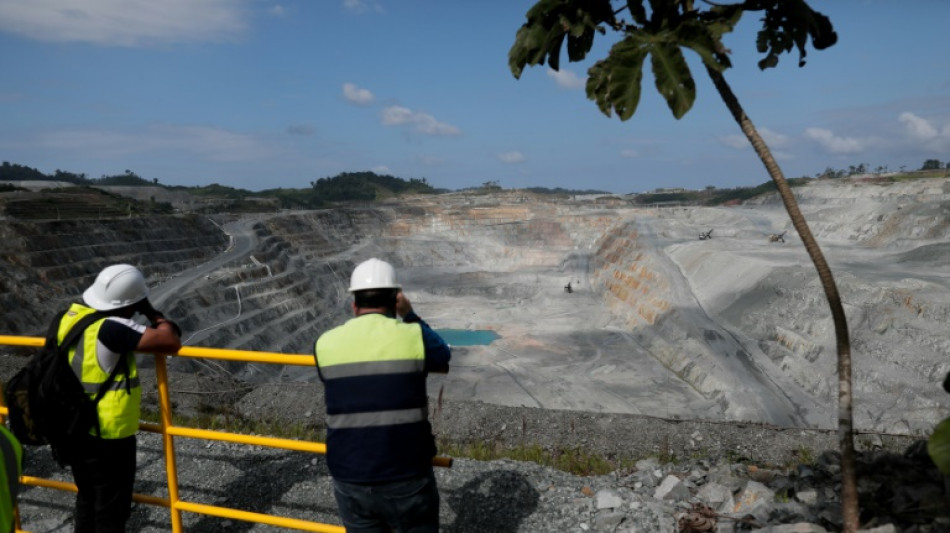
point(46, 401)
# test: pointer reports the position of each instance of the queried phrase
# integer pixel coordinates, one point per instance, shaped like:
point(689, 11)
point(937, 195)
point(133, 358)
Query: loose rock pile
point(900, 493)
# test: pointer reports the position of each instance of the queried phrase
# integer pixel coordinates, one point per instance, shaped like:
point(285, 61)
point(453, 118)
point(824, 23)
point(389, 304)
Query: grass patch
point(227, 421)
point(577, 461)
point(573, 460)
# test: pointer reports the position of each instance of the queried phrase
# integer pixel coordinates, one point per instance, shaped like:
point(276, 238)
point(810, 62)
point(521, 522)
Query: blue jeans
point(404, 506)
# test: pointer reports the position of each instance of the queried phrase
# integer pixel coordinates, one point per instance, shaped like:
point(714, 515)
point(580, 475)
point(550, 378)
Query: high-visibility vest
point(373, 370)
point(120, 407)
point(11, 467)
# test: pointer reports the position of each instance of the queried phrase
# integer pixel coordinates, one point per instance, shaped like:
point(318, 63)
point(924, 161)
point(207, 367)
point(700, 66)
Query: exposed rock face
point(46, 264)
point(658, 323)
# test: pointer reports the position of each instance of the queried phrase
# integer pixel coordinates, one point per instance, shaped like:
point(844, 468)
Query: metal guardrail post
point(171, 471)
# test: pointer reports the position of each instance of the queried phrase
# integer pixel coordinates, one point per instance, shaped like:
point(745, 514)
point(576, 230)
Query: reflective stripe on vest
point(372, 345)
point(11, 459)
point(377, 418)
point(119, 409)
point(374, 367)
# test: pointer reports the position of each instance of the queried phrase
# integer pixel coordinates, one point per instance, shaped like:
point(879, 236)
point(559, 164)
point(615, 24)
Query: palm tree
point(660, 29)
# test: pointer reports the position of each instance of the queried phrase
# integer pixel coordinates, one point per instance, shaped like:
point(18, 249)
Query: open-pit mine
point(598, 305)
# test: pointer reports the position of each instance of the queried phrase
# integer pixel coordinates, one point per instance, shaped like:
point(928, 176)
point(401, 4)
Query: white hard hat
point(373, 274)
point(116, 286)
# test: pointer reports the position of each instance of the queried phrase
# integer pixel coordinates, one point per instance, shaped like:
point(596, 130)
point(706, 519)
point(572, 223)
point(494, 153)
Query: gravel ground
point(501, 495)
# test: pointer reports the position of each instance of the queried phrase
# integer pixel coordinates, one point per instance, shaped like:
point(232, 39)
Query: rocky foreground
point(692, 476)
point(899, 493)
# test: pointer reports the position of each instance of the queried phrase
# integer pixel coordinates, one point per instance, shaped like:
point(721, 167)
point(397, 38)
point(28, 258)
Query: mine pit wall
point(650, 299)
point(878, 215)
point(291, 289)
point(295, 288)
point(897, 323)
point(47, 264)
point(637, 291)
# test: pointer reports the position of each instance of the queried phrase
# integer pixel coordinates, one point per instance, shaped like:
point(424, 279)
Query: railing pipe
point(71, 487)
point(248, 516)
point(171, 471)
point(169, 431)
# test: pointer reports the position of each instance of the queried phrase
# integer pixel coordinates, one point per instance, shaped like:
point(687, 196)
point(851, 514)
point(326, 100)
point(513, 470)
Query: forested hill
point(345, 187)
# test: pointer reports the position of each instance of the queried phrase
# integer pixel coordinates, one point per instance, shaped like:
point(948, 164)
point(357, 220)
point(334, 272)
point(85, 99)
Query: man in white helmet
point(379, 441)
point(103, 466)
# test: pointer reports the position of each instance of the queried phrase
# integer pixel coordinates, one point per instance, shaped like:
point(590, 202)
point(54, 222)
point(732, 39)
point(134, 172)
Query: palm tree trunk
point(849, 491)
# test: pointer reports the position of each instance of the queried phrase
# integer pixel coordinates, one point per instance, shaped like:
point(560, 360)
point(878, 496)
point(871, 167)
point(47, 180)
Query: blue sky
point(261, 94)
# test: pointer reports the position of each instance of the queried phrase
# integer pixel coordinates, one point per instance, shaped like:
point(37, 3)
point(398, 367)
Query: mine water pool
point(468, 337)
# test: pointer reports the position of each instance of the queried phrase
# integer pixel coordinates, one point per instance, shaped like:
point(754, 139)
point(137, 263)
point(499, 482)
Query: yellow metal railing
point(169, 431)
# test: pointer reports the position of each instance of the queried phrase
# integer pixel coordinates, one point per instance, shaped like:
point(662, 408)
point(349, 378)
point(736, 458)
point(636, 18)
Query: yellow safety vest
point(120, 407)
point(11, 467)
point(373, 371)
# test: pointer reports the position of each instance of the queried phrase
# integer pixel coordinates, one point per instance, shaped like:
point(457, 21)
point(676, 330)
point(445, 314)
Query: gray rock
point(807, 497)
point(608, 521)
point(716, 496)
point(672, 488)
point(756, 500)
point(607, 499)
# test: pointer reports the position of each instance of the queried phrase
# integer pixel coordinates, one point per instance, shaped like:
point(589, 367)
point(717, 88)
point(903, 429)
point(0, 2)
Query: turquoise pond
point(468, 337)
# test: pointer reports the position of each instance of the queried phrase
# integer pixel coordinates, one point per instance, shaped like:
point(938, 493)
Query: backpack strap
point(72, 336)
point(52, 341)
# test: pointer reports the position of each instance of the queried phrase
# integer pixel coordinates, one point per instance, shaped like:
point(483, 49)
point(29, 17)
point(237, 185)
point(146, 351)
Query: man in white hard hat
point(103, 466)
point(379, 441)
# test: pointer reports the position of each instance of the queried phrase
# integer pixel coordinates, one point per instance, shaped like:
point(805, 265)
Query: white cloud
point(629, 153)
point(361, 6)
point(918, 128)
point(773, 139)
point(567, 79)
point(512, 157)
point(419, 122)
point(834, 144)
point(357, 95)
point(735, 140)
point(124, 22)
point(381, 169)
point(211, 143)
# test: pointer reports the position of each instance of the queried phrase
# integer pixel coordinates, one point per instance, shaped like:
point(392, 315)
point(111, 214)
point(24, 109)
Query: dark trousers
point(104, 472)
point(406, 506)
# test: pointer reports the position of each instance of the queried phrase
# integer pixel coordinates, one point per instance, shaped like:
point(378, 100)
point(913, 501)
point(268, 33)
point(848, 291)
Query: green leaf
point(696, 36)
point(673, 78)
point(637, 11)
point(614, 82)
point(533, 44)
point(939, 447)
point(549, 21)
point(788, 24)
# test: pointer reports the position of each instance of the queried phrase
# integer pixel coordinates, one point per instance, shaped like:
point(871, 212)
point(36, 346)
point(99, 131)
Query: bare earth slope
point(659, 323)
point(668, 346)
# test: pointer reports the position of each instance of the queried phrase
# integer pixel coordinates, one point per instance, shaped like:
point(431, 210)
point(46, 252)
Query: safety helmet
point(115, 287)
point(373, 274)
